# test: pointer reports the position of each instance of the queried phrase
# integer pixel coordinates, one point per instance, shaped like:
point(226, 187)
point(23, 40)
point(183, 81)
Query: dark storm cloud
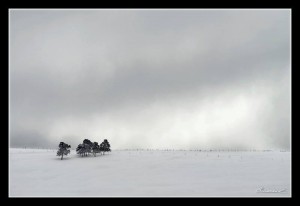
point(147, 78)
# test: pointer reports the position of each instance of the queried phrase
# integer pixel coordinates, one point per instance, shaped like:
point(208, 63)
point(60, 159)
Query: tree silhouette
point(85, 148)
point(63, 149)
point(95, 148)
point(80, 149)
point(105, 146)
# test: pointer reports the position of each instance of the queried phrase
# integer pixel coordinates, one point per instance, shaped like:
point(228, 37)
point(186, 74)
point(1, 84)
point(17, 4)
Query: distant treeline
point(201, 150)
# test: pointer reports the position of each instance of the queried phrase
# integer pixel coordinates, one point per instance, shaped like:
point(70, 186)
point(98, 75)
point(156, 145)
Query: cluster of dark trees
point(63, 149)
point(88, 147)
point(84, 149)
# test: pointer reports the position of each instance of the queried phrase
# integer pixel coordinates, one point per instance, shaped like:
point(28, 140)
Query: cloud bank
point(179, 79)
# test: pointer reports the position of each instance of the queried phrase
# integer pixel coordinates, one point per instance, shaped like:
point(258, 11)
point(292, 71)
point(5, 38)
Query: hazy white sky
point(179, 79)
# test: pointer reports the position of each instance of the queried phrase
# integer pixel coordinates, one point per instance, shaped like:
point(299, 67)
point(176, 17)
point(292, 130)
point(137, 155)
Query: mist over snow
point(179, 79)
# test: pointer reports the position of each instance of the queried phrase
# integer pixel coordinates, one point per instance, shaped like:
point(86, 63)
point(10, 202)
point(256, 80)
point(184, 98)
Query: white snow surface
point(39, 172)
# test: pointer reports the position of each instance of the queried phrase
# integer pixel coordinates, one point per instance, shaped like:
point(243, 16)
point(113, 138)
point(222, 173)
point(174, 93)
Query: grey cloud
point(87, 65)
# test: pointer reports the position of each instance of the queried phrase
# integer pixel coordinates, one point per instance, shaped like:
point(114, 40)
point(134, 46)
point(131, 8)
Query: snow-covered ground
point(37, 172)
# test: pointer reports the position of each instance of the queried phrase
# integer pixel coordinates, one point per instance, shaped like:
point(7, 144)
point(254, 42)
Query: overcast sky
point(180, 79)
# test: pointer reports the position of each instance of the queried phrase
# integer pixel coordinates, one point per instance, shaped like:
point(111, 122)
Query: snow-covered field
point(36, 172)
